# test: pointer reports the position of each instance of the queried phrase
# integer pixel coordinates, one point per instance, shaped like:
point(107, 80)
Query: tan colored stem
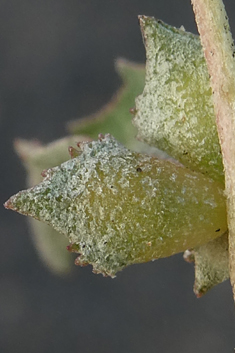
point(218, 46)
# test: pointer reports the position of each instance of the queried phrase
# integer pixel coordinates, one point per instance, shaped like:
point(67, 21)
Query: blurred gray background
point(57, 64)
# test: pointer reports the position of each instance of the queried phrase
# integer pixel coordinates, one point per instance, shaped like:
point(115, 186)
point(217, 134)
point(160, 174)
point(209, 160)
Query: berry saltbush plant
point(120, 201)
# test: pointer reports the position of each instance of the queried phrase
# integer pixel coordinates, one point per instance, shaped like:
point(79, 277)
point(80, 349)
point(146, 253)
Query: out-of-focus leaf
point(175, 111)
point(50, 244)
point(119, 207)
point(115, 118)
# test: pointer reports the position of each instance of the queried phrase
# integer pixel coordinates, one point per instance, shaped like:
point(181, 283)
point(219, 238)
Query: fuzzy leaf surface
point(119, 207)
point(175, 111)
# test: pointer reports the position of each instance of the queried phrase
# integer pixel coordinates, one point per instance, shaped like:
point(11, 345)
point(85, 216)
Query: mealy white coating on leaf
point(50, 244)
point(119, 207)
point(175, 111)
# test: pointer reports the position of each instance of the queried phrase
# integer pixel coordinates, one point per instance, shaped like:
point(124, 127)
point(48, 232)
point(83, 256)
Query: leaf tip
point(133, 111)
point(198, 294)
point(10, 204)
point(101, 137)
point(79, 261)
point(189, 256)
point(7, 204)
point(73, 152)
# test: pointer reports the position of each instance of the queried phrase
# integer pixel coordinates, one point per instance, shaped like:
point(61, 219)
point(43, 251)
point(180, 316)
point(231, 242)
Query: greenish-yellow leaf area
point(115, 118)
point(119, 207)
point(175, 111)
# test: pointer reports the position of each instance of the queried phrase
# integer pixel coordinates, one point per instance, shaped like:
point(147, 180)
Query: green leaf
point(175, 111)
point(119, 207)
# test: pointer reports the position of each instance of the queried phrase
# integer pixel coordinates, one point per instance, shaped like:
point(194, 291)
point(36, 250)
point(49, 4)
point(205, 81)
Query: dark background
point(56, 64)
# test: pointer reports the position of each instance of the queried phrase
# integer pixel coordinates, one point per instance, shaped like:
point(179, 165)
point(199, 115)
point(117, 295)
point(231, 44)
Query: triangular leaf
point(119, 207)
point(175, 111)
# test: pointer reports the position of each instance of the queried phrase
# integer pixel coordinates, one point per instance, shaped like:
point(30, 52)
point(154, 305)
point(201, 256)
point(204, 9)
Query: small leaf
point(175, 111)
point(119, 207)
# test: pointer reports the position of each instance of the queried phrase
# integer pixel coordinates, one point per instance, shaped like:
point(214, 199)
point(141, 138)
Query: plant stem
point(218, 46)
